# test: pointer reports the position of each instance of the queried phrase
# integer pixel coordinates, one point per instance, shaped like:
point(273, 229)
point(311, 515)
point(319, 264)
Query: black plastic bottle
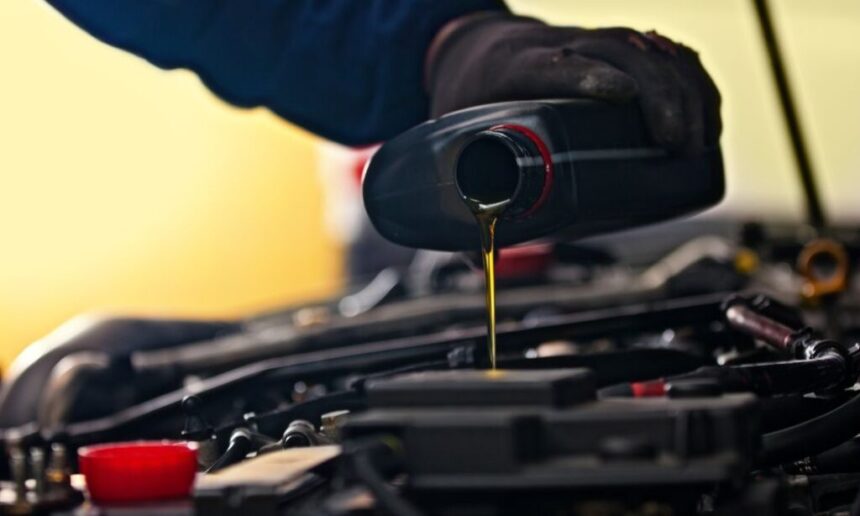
point(580, 166)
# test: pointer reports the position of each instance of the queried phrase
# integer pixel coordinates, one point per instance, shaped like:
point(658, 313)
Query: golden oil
point(487, 216)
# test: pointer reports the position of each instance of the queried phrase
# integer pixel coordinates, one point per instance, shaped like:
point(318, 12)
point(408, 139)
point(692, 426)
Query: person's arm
point(351, 71)
point(361, 71)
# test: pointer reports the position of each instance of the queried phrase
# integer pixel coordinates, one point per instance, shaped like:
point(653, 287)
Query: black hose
point(235, 453)
point(767, 379)
point(387, 500)
point(812, 437)
point(781, 412)
point(242, 442)
point(774, 378)
point(842, 459)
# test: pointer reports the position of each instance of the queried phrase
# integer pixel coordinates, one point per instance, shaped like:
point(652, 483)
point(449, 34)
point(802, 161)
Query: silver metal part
point(57, 473)
point(332, 423)
point(37, 469)
point(18, 464)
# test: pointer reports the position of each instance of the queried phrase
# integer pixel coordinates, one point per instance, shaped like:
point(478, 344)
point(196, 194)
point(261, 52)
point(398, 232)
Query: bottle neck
point(505, 164)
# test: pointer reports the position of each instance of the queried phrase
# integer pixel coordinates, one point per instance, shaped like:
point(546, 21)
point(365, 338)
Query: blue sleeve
point(348, 70)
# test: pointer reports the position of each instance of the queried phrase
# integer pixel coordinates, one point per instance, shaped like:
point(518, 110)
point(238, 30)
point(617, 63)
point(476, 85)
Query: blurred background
point(126, 189)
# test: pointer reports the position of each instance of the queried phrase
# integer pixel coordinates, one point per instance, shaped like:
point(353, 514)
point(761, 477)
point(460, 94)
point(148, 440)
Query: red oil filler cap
point(138, 471)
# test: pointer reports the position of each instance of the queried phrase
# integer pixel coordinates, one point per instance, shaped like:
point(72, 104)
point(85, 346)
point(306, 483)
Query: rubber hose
point(812, 437)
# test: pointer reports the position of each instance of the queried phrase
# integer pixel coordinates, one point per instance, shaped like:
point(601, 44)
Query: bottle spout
point(502, 167)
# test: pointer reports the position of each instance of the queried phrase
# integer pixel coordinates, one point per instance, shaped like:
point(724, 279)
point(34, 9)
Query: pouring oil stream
point(487, 215)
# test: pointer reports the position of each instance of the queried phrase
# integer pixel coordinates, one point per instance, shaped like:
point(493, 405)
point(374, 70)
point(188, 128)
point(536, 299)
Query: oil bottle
point(584, 167)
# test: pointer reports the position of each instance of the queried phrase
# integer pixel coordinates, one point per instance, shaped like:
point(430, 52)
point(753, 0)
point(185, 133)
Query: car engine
point(703, 367)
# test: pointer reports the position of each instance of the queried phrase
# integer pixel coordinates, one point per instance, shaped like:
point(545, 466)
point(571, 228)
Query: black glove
point(495, 57)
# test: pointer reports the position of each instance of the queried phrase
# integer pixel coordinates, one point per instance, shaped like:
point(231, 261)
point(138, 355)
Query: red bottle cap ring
point(138, 471)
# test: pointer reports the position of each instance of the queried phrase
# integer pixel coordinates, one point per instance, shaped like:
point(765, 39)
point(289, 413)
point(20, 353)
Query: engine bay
point(715, 378)
point(703, 367)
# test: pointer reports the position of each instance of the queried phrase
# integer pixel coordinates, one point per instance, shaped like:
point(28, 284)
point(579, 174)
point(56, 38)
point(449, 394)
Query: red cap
point(651, 389)
point(139, 471)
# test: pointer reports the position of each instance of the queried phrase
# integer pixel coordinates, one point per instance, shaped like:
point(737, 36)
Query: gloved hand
point(493, 57)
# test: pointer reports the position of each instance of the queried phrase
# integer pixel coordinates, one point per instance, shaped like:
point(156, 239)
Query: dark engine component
point(478, 438)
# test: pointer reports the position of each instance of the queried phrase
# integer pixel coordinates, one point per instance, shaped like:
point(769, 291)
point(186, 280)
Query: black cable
point(387, 500)
point(842, 459)
point(825, 373)
point(242, 442)
point(814, 208)
point(777, 378)
point(781, 412)
point(364, 458)
point(813, 436)
point(235, 452)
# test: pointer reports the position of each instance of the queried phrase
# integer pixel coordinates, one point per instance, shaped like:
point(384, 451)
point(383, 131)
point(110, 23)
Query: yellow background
point(127, 189)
